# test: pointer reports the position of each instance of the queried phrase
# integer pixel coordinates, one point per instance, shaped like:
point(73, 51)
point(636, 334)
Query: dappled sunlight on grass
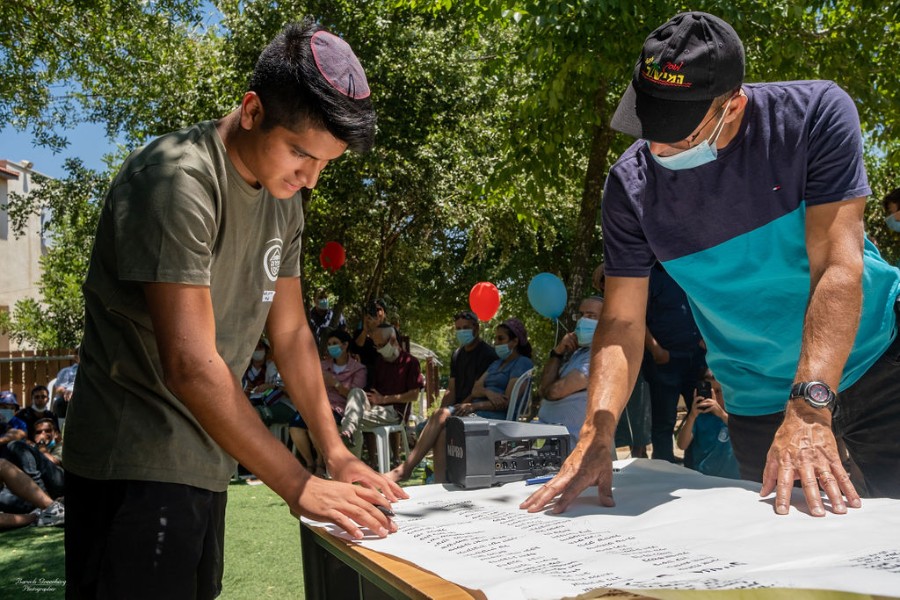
point(32, 554)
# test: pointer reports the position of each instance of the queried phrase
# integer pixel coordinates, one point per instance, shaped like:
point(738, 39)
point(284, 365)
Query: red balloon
point(484, 300)
point(332, 257)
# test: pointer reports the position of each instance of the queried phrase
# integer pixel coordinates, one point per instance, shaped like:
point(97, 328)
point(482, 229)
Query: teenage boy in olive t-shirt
point(198, 249)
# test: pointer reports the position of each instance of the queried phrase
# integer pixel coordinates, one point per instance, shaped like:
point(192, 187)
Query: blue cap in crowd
point(8, 397)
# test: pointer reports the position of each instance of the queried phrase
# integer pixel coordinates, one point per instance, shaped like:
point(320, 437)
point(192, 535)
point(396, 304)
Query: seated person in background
point(262, 384)
point(23, 502)
point(48, 440)
point(467, 364)
point(345, 378)
point(490, 394)
point(565, 377)
point(35, 458)
point(11, 427)
point(321, 317)
point(396, 382)
point(704, 433)
point(39, 409)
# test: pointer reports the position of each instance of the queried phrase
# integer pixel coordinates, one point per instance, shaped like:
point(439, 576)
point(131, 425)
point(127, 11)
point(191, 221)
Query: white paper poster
point(671, 529)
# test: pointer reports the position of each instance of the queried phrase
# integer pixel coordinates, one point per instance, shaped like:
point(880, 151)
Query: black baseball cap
point(684, 64)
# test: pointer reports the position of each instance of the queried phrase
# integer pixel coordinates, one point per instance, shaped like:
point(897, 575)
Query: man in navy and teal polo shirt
point(752, 198)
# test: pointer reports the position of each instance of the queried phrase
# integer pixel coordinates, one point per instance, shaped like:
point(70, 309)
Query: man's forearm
point(549, 376)
point(615, 363)
point(832, 319)
point(834, 244)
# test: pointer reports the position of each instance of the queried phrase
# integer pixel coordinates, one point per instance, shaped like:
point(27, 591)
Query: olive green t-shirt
point(177, 212)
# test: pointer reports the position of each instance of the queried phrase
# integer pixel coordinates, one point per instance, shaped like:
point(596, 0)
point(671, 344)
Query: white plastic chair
point(382, 435)
point(520, 398)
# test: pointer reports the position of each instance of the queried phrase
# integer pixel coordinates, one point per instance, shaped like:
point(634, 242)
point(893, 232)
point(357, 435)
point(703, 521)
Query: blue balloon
point(547, 295)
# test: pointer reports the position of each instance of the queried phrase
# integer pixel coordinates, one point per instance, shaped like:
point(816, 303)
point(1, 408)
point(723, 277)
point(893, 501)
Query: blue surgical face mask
point(702, 153)
point(323, 303)
point(502, 351)
point(335, 350)
point(464, 336)
point(584, 330)
point(892, 223)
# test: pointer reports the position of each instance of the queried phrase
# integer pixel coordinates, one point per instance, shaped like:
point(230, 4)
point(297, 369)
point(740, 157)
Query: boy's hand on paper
point(590, 463)
point(350, 507)
point(804, 448)
point(350, 469)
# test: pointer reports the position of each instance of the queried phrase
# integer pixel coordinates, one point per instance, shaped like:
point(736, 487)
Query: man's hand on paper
point(804, 448)
point(590, 463)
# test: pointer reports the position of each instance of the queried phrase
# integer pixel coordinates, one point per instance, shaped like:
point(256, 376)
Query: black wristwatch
point(816, 394)
point(555, 354)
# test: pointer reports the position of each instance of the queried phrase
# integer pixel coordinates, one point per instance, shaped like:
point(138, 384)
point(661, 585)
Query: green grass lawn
point(262, 552)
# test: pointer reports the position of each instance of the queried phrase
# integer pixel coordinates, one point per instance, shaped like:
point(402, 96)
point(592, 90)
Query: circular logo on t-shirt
point(272, 259)
point(723, 435)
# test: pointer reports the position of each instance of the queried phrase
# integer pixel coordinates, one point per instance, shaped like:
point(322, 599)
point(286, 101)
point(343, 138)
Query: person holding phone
point(704, 434)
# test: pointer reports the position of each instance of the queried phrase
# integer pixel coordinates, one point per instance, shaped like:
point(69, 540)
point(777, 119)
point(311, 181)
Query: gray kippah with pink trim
point(338, 65)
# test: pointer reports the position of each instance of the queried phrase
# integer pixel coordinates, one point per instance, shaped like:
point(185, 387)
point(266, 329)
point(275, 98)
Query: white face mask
point(259, 355)
point(389, 352)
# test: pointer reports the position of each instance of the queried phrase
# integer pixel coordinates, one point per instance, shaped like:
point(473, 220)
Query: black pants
point(49, 476)
point(866, 418)
point(143, 539)
point(678, 377)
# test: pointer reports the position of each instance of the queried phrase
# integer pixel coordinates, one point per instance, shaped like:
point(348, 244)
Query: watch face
point(818, 393)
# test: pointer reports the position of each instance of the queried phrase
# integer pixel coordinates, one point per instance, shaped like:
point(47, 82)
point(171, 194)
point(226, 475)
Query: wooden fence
point(22, 370)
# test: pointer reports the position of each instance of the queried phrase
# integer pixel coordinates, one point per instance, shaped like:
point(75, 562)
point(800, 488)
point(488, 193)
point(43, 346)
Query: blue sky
point(87, 142)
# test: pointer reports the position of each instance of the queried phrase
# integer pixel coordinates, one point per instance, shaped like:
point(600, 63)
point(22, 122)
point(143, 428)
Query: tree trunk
point(585, 253)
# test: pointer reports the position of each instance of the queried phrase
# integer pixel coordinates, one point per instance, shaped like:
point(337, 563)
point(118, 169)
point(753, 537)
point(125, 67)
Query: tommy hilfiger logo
point(667, 74)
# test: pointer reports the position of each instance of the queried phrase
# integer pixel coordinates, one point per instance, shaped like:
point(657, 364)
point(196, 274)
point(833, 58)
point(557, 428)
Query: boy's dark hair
point(893, 197)
point(340, 334)
point(295, 93)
